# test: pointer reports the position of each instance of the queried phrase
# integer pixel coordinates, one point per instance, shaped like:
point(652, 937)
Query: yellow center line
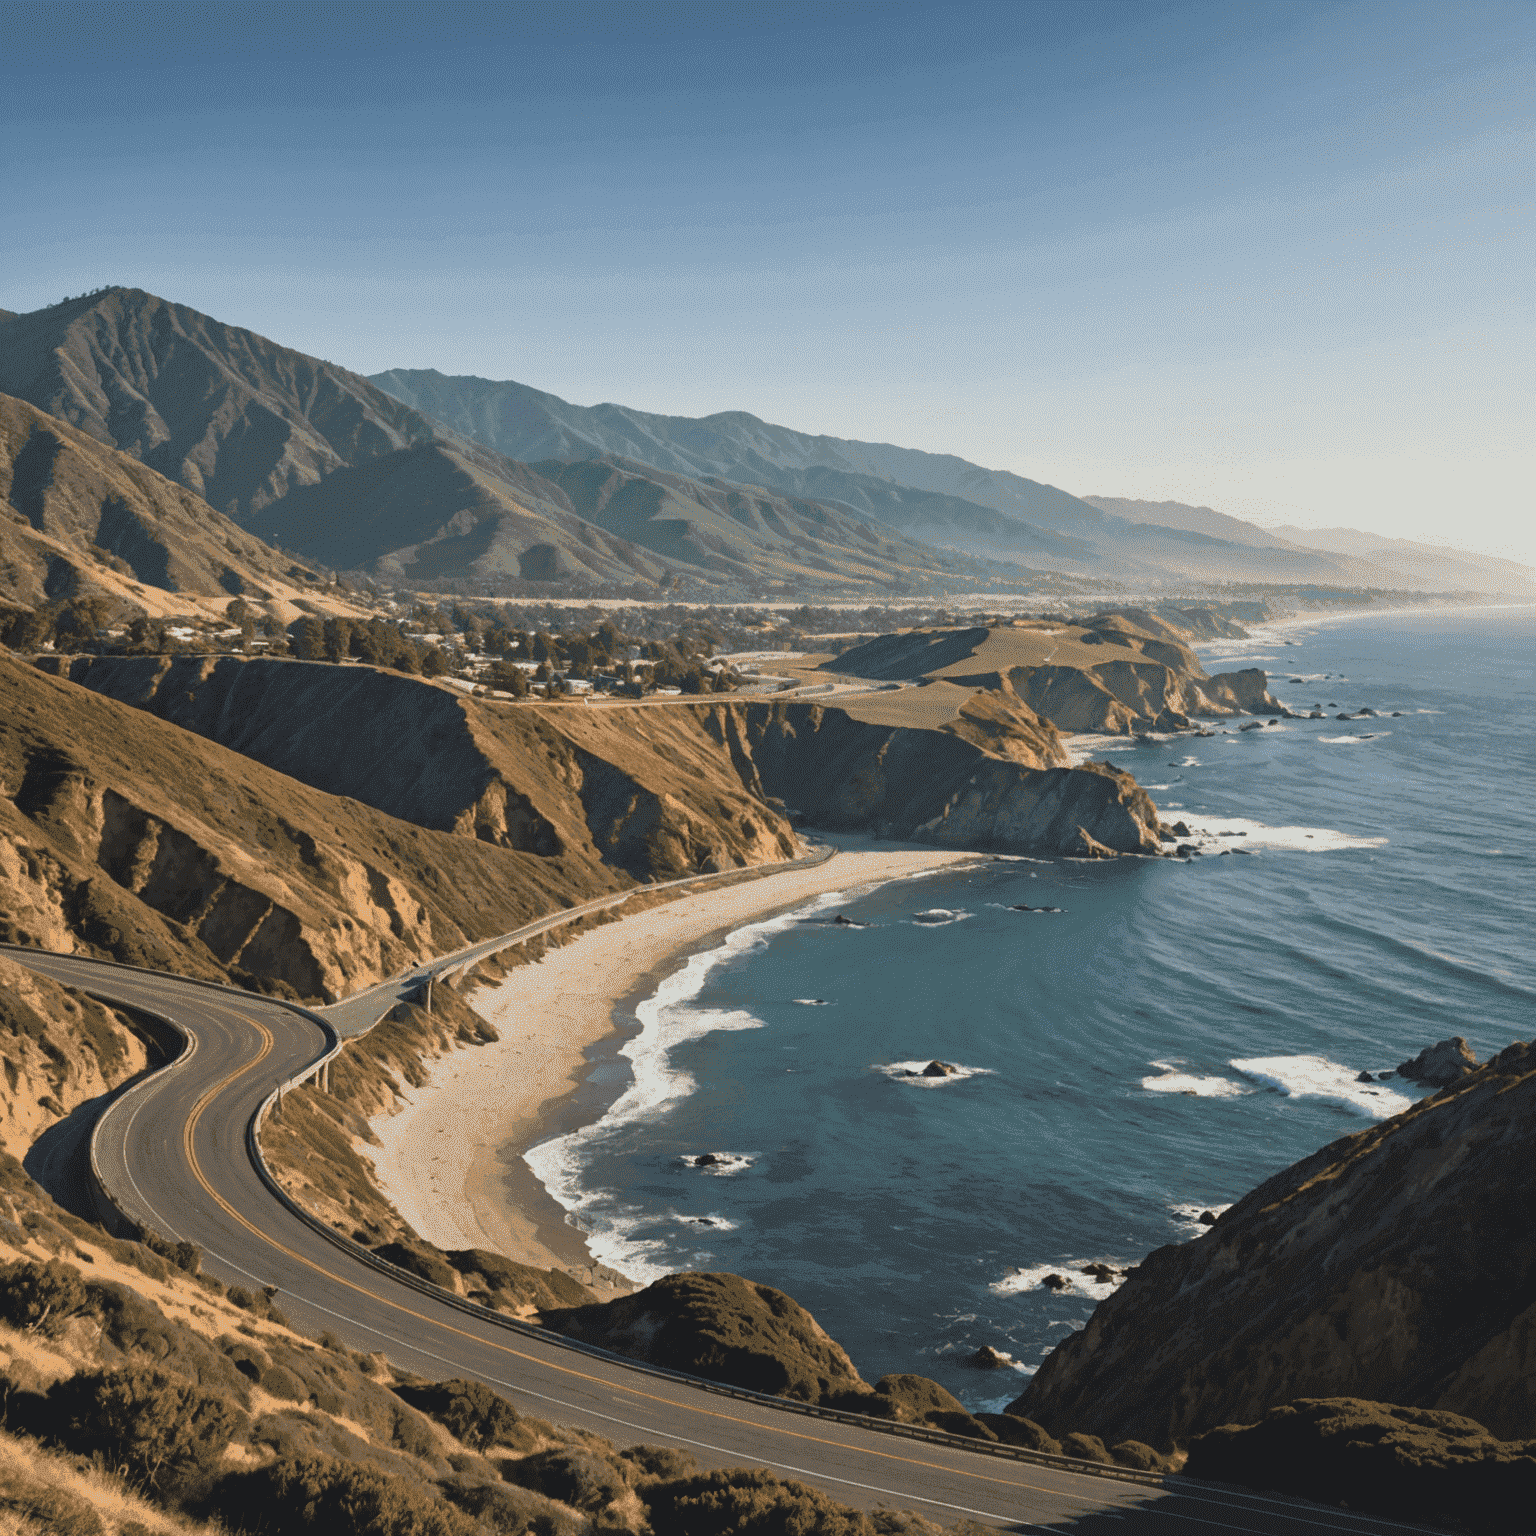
point(197, 1173)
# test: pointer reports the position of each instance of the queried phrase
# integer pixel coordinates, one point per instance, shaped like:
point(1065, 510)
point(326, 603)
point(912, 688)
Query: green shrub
point(749, 1503)
point(468, 1410)
point(512, 1511)
point(41, 1297)
point(164, 1432)
point(658, 1463)
point(575, 1477)
point(322, 1495)
point(279, 1381)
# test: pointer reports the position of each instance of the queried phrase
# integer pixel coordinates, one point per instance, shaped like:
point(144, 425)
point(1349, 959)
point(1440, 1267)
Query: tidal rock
point(1365, 711)
point(706, 1160)
point(1365, 1077)
point(1055, 1282)
point(1181, 829)
point(1440, 1064)
point(1343, 717)
point(1381, 1077)
point(1100, 1272)
point(1206, 1218)
point(939, 1069)
point(988, 1359)
point(843, 921)
point(1397, 714)
point(1083, 845)
point(1253, 725)
point(1317, 714)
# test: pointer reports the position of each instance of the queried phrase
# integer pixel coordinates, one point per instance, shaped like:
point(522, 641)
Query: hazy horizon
point(1270, 261)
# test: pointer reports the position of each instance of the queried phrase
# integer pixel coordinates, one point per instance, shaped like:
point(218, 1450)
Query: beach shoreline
point(450, 1154)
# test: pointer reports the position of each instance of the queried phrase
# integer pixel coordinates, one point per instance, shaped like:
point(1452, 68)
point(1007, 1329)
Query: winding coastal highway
point(179, 1152)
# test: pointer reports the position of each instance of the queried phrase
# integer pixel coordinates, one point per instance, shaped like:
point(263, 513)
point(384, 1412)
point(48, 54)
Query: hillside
point(1395, 1265)
point(303, 453)
point(938, 498)
point(224, 412)
point(1114, 674)
point(653, 789)
point(1406, 562)
point(86, 519)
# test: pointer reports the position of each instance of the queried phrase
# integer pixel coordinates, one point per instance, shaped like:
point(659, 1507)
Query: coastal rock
point(1437, 1065)
point(1397, 1264)
point(988, 1359)
point(1411, 1464)
point(1253, 725)
point(939, 1069)
point(1206, 1218)
point(1055, 1282)
point(723, 1328)
point(1083, 845)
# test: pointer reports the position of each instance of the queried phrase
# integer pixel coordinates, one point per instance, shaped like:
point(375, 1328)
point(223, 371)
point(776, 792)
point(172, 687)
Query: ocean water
point(1174, 1034)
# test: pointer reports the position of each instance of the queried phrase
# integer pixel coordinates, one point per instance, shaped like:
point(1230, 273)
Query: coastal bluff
point(656, 789)
point(1112, 674)
point(1396, 1265)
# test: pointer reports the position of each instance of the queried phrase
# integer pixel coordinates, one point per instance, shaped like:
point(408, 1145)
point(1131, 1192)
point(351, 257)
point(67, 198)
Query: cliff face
point(124, 836)
point(1110, 675)
point(1396, 1265)
point(639, 788)
point(652, 789)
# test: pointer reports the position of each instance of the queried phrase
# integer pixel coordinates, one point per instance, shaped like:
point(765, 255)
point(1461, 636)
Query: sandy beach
point(451, 1154)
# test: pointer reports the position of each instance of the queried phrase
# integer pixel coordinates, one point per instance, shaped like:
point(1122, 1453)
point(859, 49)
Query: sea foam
point(1254, 834)
point(1030, 1278)
point(1174, 1081)
point(666, 1022)
point(1316, 1077)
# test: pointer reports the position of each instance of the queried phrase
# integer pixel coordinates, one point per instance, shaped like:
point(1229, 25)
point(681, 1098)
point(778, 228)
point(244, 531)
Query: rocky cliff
point(652, 789)
point(1113, 674)
point(1396, 1265)
point(125, 836)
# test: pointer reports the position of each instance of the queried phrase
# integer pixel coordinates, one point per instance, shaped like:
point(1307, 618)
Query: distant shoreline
point(451, 1155)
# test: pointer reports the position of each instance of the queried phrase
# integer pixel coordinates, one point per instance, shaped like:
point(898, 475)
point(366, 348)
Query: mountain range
point(415, 478)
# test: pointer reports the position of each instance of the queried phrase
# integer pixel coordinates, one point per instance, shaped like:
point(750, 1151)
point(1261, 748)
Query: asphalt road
point(174, 1150)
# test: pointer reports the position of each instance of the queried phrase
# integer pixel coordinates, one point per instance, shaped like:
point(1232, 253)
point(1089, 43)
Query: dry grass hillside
point(318, 459)
point(233, 417)
point(650, 788)
point(1113, 674)
point(86, 519)
point(126, 837)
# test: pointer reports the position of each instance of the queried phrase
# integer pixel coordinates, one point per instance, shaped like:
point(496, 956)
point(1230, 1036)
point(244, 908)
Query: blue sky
point(1274, 257)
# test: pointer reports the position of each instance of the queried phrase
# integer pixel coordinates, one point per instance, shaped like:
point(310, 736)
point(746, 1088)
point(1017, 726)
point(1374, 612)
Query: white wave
point(1187, 1217)
point(1369, 736)
point(724, 1164)
point(1316, 1077)
point(1174, 1081)
point(939, 917)
point(1031, 1278)
point(1254, 834)
point(813, 1002)
point(1188, 762)
point(911, 1073)
point(666, 1022)
point(1081, 748)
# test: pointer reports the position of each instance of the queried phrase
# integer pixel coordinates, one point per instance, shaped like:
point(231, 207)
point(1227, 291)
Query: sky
point(1271, 256)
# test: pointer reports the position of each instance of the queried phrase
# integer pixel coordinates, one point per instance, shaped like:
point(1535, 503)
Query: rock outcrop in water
point(1441, 1064)
point(1396, 1265)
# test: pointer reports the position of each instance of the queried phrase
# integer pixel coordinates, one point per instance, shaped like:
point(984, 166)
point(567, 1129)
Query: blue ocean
point(1171, 1036)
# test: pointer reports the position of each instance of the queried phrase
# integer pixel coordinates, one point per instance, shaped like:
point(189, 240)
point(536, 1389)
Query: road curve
point(176, 1152)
